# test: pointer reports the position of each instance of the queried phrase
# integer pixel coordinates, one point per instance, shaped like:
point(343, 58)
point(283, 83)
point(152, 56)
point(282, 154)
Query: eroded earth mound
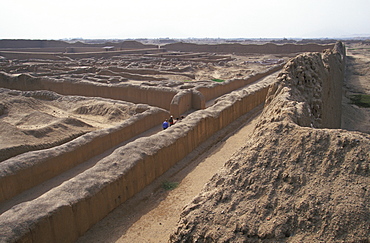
point(33, 120)
point(294, 180)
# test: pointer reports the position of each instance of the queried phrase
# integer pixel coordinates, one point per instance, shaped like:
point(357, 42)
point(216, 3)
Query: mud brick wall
point(67, 211)
point(217, 89)
point(19, 54)
point(267, 48)
point(318, 77)
point(131, 93)
point(332, 87)
point(47, 49)
point(181, 103)
point(27, 170)
point(196, 98)
point(45, 44)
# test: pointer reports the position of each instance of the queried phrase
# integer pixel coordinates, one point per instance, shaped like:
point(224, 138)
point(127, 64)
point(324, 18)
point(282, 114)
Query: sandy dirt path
point(151, 215)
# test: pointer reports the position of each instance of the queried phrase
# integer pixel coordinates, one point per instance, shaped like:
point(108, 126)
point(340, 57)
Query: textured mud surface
point(291, 182)
point(34, 120)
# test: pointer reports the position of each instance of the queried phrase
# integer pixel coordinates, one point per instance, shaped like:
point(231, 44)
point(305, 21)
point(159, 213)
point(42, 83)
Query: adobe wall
point(31, 43)
point(170, 99)
point(47, 49)
point(332, 87)
point(19, 44)
point(318, 77)
point(136, 94)
point(27, 170)
point(30, 55)
point(217, 89)
point(57, 55)
point(268, 48)
point(67, 211)
point(181, 103)
point(292, 183)
point(196, 98)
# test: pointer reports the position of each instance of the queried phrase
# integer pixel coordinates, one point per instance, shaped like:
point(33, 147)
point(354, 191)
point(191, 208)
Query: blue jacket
point(165, 125)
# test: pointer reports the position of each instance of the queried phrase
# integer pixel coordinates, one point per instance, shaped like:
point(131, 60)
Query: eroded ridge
point(34, 120)
point(295, 179)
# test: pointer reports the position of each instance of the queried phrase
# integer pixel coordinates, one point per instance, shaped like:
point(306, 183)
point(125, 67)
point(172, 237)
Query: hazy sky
point(47, 19)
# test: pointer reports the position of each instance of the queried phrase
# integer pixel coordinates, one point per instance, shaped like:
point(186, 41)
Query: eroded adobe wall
point(30, 55)
point(215, 90)
point(181, 103)
point(43, 44)
point(155, 96)
point(196, 98)
point(268, 48)
point(66, 212)
point(309, 184)
point(177, 102)
point(27, 170)
point(334, 61)
point(20, 54)
point(84, 49)
point(16, 44)
point(47, 49)
point(318, 79)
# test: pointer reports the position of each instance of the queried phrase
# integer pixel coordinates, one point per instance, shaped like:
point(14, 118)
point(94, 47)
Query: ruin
point(299, 178)
point(155, 82)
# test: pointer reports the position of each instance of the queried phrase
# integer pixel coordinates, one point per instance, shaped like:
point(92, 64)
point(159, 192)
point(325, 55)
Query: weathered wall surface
point(87, 198)
point(58, 55)
point(290, 182)
point(11, 44)
point(181, 103)
point(268, 48)
point(136, 94)
point(67, 211)
point(42, 44)
point(47, 49)
point(332, 87)
point(170, 99)
point(27, 170)
point(23, 49)
point(317, 78)
point(215, 90)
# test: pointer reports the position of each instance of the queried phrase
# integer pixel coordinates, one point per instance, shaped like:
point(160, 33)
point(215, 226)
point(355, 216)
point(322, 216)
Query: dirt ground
point(152, 215)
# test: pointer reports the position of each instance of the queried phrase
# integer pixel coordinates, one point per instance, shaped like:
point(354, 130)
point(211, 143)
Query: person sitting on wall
point(171, 120)
point(165, 124)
